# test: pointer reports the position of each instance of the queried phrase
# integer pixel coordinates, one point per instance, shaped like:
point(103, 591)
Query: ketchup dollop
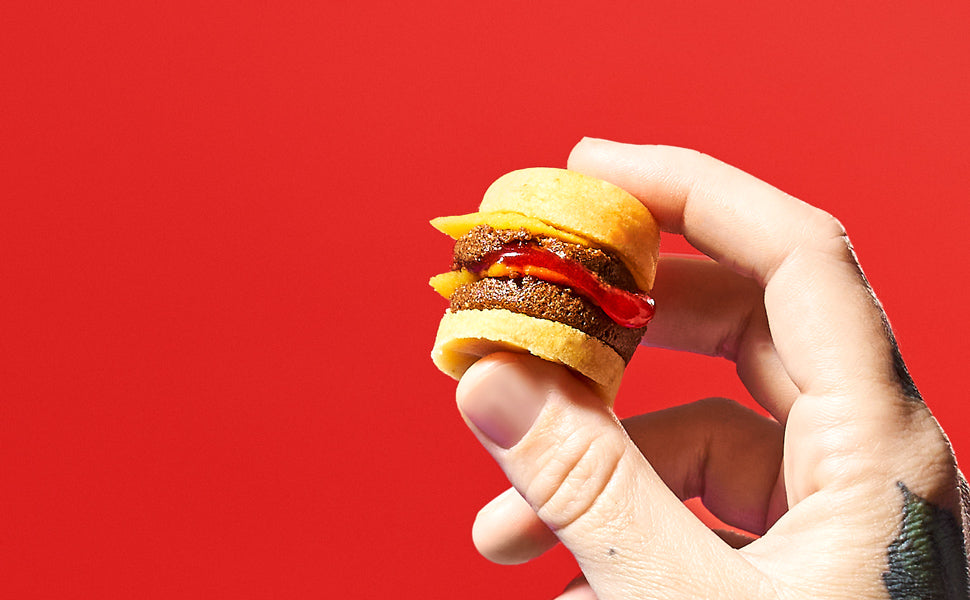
point(629, 309)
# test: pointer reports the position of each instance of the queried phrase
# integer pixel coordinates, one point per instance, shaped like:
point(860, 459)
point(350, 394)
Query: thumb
point(572, 461)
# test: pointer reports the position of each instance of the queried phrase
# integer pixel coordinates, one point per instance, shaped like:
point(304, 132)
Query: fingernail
point(500, 398)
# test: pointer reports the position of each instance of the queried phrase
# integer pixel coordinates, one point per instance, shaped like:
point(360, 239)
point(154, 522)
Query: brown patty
point(483, 239)
point(543, 300)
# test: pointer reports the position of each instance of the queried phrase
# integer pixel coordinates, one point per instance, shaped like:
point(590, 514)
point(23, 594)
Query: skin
point(851, 490)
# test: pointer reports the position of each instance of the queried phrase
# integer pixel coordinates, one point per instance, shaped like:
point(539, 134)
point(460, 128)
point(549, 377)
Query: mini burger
point(555, 263)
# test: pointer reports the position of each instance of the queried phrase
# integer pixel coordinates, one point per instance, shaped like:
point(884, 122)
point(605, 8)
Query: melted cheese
point(458, 225)
point(446, 283)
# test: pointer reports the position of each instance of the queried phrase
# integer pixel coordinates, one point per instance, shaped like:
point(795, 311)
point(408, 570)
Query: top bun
point(596, 210)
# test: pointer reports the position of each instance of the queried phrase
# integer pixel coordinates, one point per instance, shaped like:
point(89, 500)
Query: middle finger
point(706, 308)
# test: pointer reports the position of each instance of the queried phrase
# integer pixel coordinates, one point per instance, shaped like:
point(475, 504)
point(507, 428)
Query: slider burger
point(555, 263)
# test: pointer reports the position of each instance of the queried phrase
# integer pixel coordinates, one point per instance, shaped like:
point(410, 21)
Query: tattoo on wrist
point(927, 560)
point(902, 373)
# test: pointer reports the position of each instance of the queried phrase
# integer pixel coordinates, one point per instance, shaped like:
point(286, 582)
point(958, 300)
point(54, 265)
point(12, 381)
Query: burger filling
point(544, 277)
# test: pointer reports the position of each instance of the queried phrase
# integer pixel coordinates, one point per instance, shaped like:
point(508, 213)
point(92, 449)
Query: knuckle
point(826, 225)
point(718, 408)
point(572, 477)
point(925, 450)
point(829, 236)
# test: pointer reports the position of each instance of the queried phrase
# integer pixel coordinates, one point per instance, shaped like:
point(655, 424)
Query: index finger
point(826, 324)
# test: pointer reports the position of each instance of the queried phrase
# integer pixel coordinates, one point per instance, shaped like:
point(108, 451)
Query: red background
point(214, 251)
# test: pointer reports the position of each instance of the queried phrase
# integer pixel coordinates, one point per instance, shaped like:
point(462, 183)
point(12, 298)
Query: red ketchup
point(628, 309)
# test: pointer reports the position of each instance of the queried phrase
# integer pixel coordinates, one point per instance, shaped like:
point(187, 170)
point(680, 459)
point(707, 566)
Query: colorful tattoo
point(927, 560)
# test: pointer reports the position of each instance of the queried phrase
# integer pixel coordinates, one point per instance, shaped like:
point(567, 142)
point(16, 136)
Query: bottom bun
point(464, 336)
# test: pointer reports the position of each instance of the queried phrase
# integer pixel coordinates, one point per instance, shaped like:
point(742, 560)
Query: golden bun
point(593, 209)
point(464, 336)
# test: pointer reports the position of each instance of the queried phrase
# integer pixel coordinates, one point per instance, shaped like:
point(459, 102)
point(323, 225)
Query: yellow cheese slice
point(446, 283)
point(458, 225)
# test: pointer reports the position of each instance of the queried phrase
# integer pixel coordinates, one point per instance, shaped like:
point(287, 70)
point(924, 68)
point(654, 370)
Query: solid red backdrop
point(214, 251)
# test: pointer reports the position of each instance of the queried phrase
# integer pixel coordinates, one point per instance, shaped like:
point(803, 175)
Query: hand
point(852, 491)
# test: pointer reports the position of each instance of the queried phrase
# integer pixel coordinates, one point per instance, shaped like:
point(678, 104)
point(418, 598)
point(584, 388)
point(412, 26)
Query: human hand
point(852, 490)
